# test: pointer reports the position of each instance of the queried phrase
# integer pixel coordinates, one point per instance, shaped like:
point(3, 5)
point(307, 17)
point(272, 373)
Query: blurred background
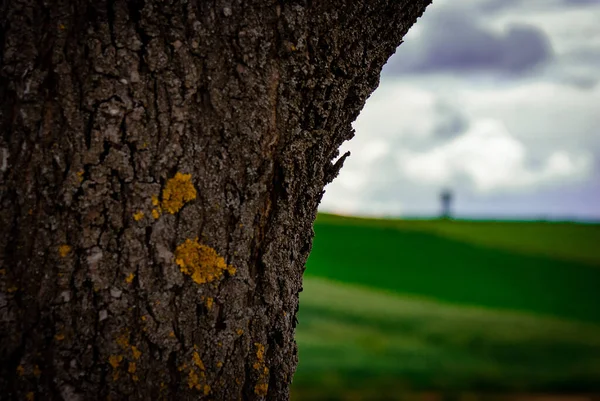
point(457, 255)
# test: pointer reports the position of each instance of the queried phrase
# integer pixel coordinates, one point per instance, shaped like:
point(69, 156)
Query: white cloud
point(497, 139)
point(492, 160)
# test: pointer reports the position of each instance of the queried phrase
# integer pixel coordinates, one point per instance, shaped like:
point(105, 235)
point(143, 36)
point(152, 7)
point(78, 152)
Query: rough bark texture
point(105, 293)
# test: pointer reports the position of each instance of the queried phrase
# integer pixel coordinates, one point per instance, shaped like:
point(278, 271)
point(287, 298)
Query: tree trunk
point(161, 164)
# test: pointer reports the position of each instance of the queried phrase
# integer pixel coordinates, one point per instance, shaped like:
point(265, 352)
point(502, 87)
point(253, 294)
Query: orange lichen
point(172, 334)
point(59, 337)
point(138, 215)
point(261, 389)
point(201, 262)
point(131, 368)
point(115, 360)
point(129, 278)
point(12, 289)
point(36, 371)
point(219, 364)
point(239, 332)
point(262, 386)
point(260, 351)
point(64, 250)
point(2, 272)
point(136, 352)
point(123, 339)
point(80, 175)
point(193, 380)
point(20, 370)
point(209, 303)
point(30, 396)
point(198, 361)
point(178, 190)
point(196, 373)
point(155, 213)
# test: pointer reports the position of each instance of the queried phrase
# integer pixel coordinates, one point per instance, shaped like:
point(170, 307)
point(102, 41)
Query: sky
point(497, 100)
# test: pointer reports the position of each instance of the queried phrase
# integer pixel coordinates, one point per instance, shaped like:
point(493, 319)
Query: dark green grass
point(452, 262)
point(361, 342)
point(395, 306)
point(557, 240)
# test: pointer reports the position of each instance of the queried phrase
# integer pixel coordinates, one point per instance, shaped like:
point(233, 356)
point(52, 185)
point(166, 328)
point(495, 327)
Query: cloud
point(451, 40)
point(578, 3)
point(493, 144)
point(497, 99)
point(492, 160)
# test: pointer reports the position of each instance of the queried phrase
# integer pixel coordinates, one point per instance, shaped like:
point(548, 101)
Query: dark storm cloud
point(451, 41)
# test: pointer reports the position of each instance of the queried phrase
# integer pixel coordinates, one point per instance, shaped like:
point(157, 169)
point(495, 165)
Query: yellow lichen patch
point(219, 364)
point(129, 278)
point(36, 371)
point(136, 352)
point(64, 250)
point(201, 262)
point(30, 396)
point(131, 368)
point(123, 339)
point(20, 370)
point(193, 380)
point(12, 289)
point(260, 351)
point(2, 272)
point(115, 360)
point(209, 303)
point(196, 374)
point(239, 332)
point(178, 190)
point(155, 213)
point(138, 215)
point(59, 337)
point(198, 361)
point(261, 389)
point(80, 175)
point(172, 334)
point(155, 200)
point(263, 372)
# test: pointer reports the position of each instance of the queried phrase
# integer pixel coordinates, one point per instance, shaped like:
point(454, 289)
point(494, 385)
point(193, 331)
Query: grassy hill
point(396, 305)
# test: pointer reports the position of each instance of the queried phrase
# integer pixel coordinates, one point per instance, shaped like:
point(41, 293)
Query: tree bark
point(161, 164)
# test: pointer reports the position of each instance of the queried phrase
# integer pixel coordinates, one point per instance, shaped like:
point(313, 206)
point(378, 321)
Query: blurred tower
point(446, 199)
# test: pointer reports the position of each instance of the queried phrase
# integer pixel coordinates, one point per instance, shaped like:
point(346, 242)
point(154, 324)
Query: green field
point(394, 306)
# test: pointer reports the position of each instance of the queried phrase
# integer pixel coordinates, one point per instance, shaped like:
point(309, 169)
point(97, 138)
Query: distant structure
point(446, 200)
